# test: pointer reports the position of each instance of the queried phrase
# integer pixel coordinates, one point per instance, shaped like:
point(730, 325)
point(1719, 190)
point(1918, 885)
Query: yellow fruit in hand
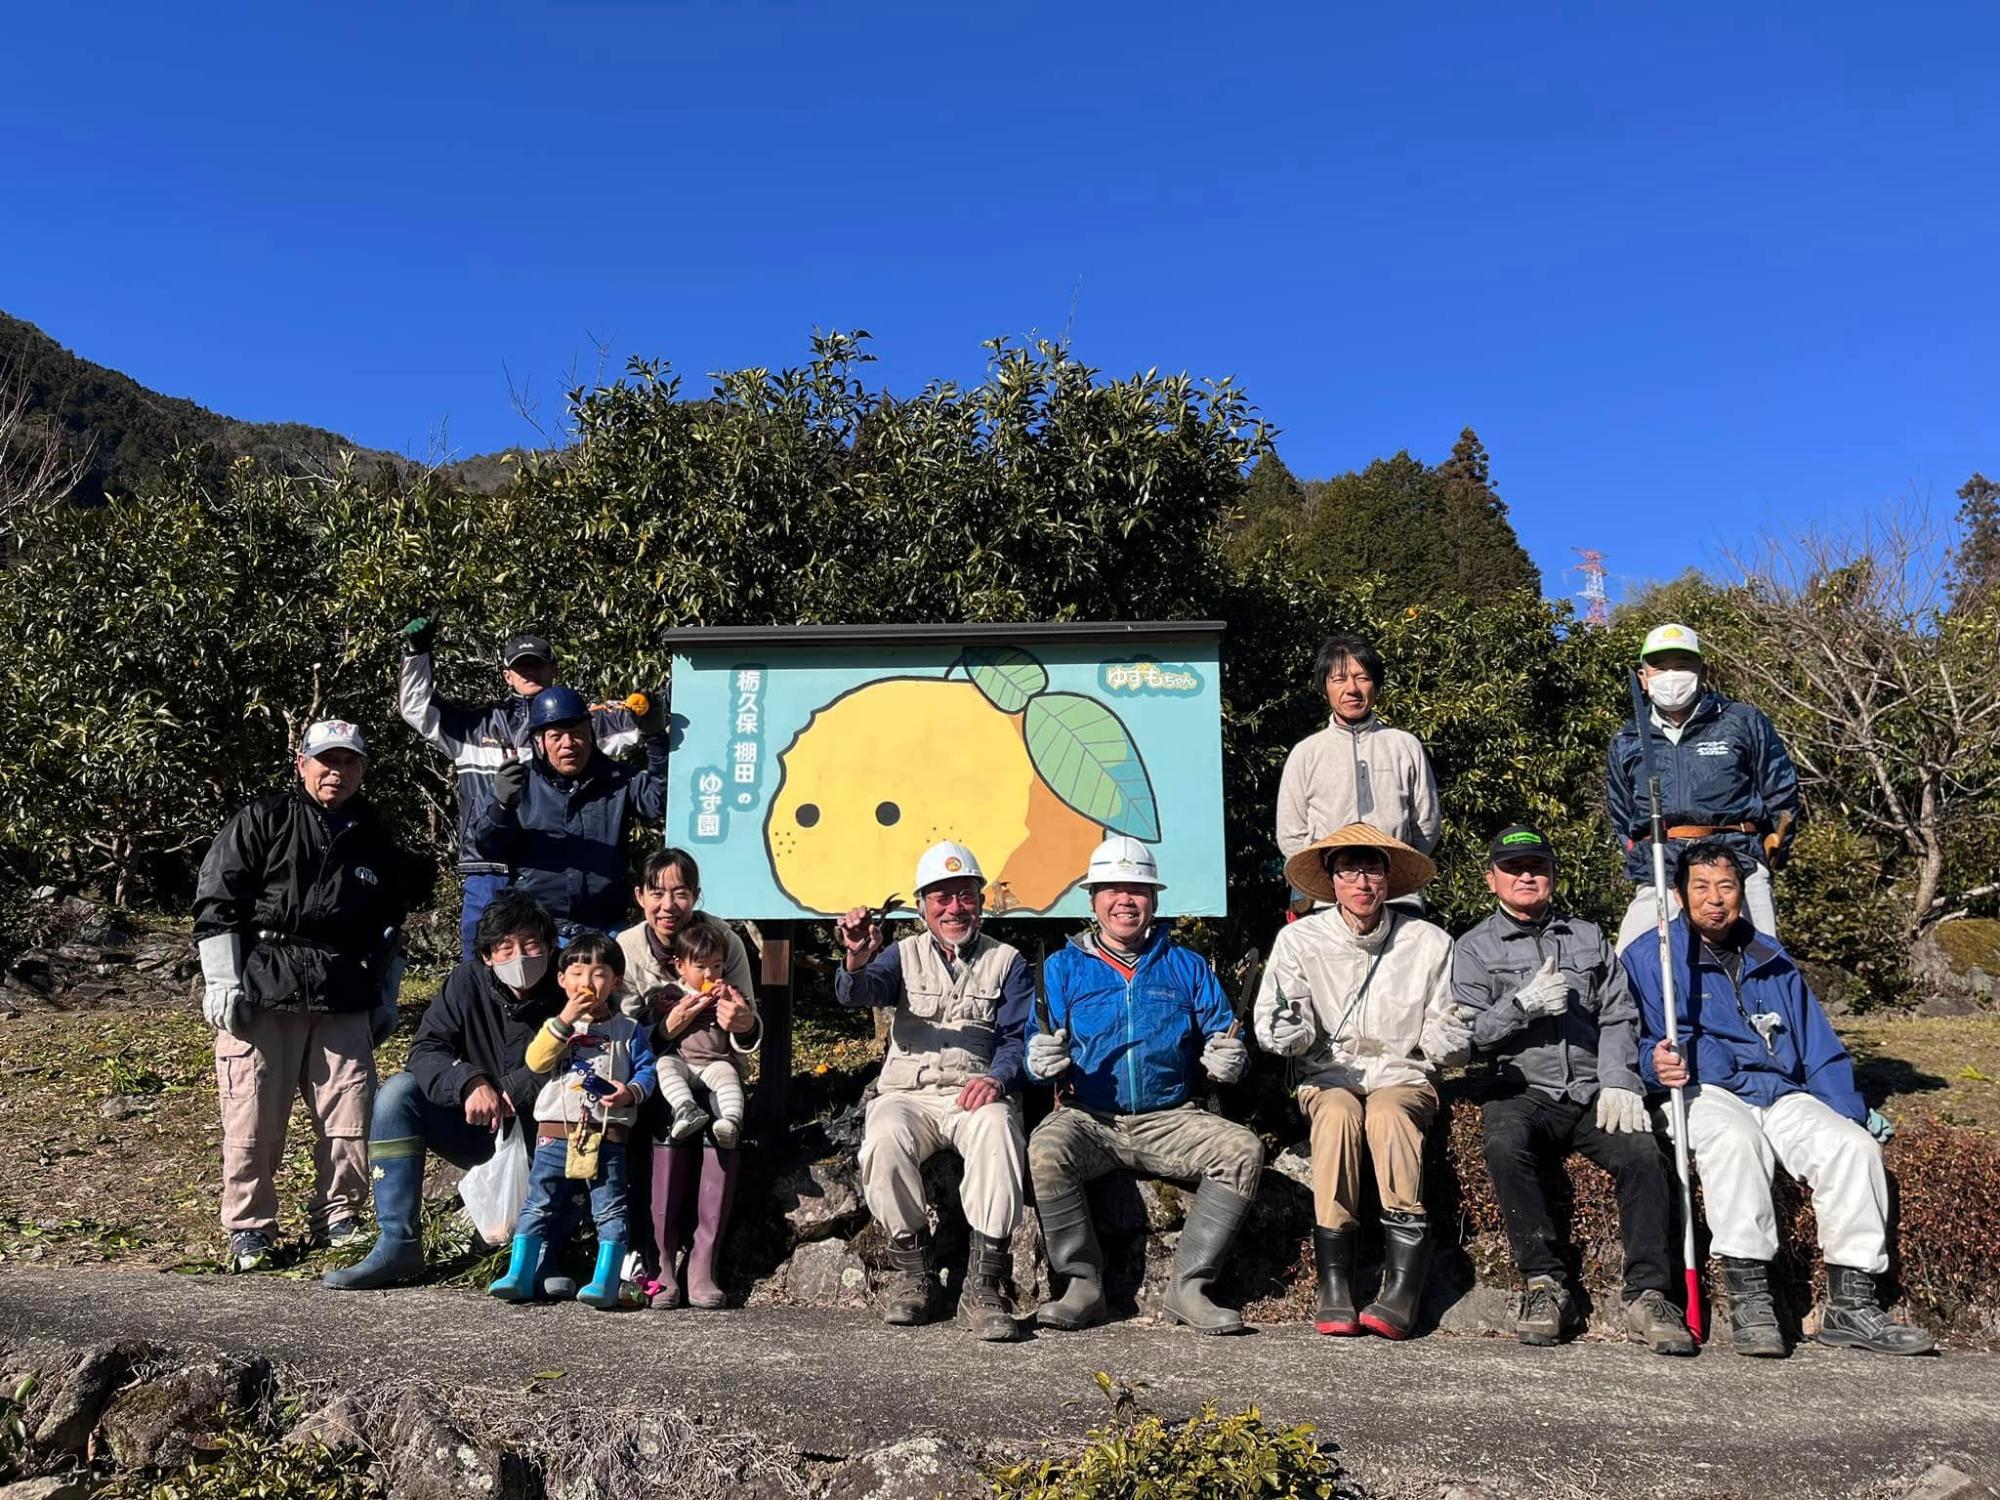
point(880, 774)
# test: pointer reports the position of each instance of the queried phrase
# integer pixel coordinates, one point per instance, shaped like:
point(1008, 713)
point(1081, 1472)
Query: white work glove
point(382, 1020)
point(222, 980)
point(1547, 994)
point(1621, 1112)
point(1447, 1038)
point(1290, 1034)
point(1225, 1058)
point(1048, 1053)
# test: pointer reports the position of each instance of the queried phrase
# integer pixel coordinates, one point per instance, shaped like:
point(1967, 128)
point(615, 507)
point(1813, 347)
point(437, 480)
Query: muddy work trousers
point(329, 1060)
point(906, 1127)
point(1073, 1147)
point(1390, 1121)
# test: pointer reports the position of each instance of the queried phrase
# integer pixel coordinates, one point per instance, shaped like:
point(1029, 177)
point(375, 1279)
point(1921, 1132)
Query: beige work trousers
point(330, 1060)
point(906, 1127)
point(1392, 1121)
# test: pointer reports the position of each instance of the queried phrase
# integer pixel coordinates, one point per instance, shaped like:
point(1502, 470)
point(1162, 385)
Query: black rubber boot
point(1071, 1241)
point(1205, 1238)
point(1855, 1318)
point(983, 1310)
point(398, 1256)
point(912, 1287)
point(1406, 1261)
point(1753, 1316)
point(1333, 1252)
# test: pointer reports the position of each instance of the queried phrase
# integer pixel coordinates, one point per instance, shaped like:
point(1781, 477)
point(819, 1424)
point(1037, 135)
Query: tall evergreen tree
point(1975, 568)
point(1487, 559)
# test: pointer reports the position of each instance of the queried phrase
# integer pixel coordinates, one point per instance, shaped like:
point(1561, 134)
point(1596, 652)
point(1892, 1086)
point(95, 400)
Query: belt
point(555, 1130)
point(1705, 830)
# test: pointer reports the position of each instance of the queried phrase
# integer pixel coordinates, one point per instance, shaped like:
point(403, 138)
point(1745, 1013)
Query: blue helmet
point(557, 705)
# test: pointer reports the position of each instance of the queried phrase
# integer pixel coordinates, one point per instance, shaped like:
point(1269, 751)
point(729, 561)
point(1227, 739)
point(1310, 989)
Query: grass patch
point(1947, 1066)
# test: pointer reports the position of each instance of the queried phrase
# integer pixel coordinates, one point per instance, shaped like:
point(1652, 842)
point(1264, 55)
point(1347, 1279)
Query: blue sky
point(1690, 272)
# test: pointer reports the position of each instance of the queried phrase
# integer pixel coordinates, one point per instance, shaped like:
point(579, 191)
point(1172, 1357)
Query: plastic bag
point(495, 1190)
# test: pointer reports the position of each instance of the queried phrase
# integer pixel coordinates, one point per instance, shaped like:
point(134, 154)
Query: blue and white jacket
point(1719, 1037)
point(1135, 1044)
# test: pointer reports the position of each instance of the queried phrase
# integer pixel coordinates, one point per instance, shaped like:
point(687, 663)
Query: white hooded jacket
point(1368, 998)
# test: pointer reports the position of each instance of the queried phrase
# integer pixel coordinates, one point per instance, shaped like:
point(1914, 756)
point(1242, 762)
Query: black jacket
point(479, 1028)
point(316, 909)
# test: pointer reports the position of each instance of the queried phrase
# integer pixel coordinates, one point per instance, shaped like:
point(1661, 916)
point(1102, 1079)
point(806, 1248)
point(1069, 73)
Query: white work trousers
point(1736, 1144)
point(906, 1127)
point(1643, 915)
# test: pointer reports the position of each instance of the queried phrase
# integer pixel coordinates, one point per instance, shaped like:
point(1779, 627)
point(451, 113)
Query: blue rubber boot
point(518, 1285)
point(397, 1167)
point(602, 1293)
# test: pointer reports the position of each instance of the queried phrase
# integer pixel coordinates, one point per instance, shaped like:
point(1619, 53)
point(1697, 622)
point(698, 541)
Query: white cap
point(945, 861)
point(1670, 638)
point(333, 734)
point(1123, 860)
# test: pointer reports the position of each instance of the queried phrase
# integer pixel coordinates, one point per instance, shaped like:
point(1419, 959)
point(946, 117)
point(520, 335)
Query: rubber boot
point(1071, 1241)
point(1406, 1261)
point(602, 1293)
point(982, 1301)
point(1753, 1317)
point(718, 1191)
point(1333, 1255)
point(397, 1168)
point(1855, 1318)
point(517, 1284)
point(906, 1301)
point(1205, 1238)
point(674, 1171)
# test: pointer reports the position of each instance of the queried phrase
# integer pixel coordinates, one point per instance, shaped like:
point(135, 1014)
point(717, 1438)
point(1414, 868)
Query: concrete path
point(1592, 1418)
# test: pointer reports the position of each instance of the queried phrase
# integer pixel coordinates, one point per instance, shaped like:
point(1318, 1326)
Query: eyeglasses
point(946, 900)
point(1356, 876)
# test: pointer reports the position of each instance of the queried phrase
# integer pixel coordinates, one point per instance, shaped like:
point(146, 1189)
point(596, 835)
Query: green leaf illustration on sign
point(1008, 677)
point(1085, 754)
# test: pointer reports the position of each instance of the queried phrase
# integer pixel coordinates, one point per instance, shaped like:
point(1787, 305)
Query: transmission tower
point(1598, 610)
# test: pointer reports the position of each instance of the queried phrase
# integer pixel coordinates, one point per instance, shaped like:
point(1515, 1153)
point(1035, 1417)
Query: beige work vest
point(942, 1033)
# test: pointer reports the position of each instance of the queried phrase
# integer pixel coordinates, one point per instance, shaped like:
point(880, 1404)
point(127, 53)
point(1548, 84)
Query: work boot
point(906, 1300)
point(1544, 1316)
point(675, 1169)
point(397, 1167)
point(690, 1120)
point(1212, 1222)
point(982, 1301)
point(602, 1292)
point(1406, 1260)
point(718, 1191)
point(1753, 1316)
point(1650, 1319)
point(517, 1282)
point(1855, 1318)
point(341, 1234)
point(1333, 1255)
point(1071, 1241)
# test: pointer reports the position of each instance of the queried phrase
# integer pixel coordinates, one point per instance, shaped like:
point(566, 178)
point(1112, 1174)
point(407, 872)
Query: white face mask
point(1674, 690)
point(522, 972)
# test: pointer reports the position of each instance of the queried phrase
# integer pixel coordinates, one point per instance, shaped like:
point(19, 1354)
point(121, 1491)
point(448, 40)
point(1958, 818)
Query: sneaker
point(727, 1132)
point(1544, 1312)
point(1650, 1319)
point(690, 1120)
point(342, 1234)
point(250, 1250)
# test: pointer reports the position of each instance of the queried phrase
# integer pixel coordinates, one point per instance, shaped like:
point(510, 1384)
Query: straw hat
point(1408, 870)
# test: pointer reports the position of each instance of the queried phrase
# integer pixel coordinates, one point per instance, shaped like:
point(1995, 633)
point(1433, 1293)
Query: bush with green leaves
point(1210, 1456)
point(242, 1462)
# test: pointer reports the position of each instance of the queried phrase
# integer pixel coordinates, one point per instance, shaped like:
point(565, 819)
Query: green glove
point(418, 636)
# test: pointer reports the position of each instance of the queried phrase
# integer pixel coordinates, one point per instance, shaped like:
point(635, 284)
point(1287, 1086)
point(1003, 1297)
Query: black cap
point(1519, 841)
point(519, 646)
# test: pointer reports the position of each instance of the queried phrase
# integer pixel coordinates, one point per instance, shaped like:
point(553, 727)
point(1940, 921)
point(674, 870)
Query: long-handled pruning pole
point(1669, 1000)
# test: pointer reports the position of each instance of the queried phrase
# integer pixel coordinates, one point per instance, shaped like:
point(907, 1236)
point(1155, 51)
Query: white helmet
point(945, 861)
point(1123, 860)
